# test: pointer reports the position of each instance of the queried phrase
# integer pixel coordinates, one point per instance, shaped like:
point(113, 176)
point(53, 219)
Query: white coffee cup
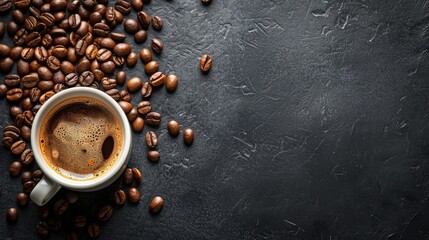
point(52, 180)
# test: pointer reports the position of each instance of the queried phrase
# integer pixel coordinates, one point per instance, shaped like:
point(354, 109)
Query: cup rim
point(110, 103)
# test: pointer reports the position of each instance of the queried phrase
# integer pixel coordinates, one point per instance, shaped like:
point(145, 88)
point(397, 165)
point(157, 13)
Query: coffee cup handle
point(44, 191)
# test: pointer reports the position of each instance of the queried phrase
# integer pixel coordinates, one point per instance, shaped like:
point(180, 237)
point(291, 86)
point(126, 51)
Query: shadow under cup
point(53, 180)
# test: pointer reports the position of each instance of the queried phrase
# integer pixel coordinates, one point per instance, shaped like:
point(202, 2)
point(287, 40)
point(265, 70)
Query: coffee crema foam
point(81, 138)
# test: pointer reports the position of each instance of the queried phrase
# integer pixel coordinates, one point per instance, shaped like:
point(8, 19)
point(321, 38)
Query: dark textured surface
point(313, 124)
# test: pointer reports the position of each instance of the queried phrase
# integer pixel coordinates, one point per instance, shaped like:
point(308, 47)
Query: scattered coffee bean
point(157, 79)
point(151, 67)
point(146, 90)
point(60, 206)
point(121, 77)
point(134, 84)
point(93, 230)
point(132, 59)
point(114, 93)
point(108, 83)
point(132, 115)
point(173, 128)
point(26, 133)
point(138, 124)
point(146, 57)
point(153, 156)
point(153, 118)
point(156, 204)
point(3, 90)
point(206, 63)
point(15, 169)
point(137, 175)
point(133, 195)
point(126, 106)
point(37, 175)
point(151, 139)
point(42, 229)
point(12, 215)
point(171, 83)
point(206, 2)
point(157, 23)
point(127, 176)
point(188, 136)
point(17, 147)
point(137, 4)
point(22, 199)
point(140, 36)
point(14, 94)
point(72, 197)
point(120, 197)
point(125, 96)
point(105, 213)
point(156, 45)
point(25, 177)
point(27, 157)
point(144, 19)
point(122, 49)
point(54, 223)
point(28, 187)
point(131, 26)
point(79, 221)
point(144, 107)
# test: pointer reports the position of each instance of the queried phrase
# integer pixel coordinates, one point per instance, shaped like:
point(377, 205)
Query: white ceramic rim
point(109, 102)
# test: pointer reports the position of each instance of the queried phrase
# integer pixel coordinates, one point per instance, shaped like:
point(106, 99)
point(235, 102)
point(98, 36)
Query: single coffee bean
point(122, 49)
point(79, 221)
point(144, 108)
point(83, 66)
point(140, 36)
point(206, 2)
point(60, 206)
point(138, 124)
point(108, 83)
point(123, 6)
point(125, 96)
point(15, 169)
point(12, 28)
point(15, 52)
point(146, 57)
point(37, 175)
point(11, 134)
point(81, 46)
point(6, 65)
point(91, 52)
point(23, 68)
point(12, 80)
point(157, 23)
point(98, 74)
point(131, 26)
point(132, 59)
point(157, 79)
point(41, 54)
point(18, 16)
point(4, 50)
point(153, 118)
point(71, 79)
point(153, 155)
point(27, 157)
point(120, 197)
point(137, 5)
point(74, 21)
point(86, 78)
point(156, 45)
point(14, 111)
point(117, 37)
point(108, 43)
point(101, 29)
point(11, 129)
point(93, 230)
point(7, 142)
point(25, 177)
point(105, 213)
point(72, 197)
point(58, 5)
point(137, 175)
point(121, 77)
point(108, 67)
point(144, 19)
point(95, 17)
point(17, 147)
point(126, 106)
point(53, 63)
point(30, 80)
point(173, 128)
point(127, 176)
point(48, 19)
point(11, 213)
point(59, 87)
point(42, 229)
point(33, 39)
point(67, 67)
point(59, 51)
point(156, 204)
point(46, 96)
point(171, 83)
point(43, 211)
point(54, 223)
point(151, 67)
point(133, 195)
point(132, 115)
point(146, 90)
point(134, 84)
point(119, 61)
point(22, 3)
point(22, 199)
point(19, 38)
point(28, 187)
point(5, 5)
point(3, 90)
point(206, 63)
point(114, 93)
point(188, 136)
point(26, 133)
point(151, 139)
point(103, 55)
point(44, 73)
point(45, 86)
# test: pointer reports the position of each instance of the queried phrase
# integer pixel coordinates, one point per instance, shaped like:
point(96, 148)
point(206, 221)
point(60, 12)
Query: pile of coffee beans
point(59, 44)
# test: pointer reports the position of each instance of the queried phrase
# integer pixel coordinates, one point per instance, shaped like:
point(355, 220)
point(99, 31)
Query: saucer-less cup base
point(53, 181)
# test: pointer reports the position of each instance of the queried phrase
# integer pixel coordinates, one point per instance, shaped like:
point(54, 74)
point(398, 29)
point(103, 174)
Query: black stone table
point(312, 124)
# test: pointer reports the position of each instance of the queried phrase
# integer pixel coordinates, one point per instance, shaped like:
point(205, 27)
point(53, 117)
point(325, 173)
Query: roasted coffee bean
point(88, 4)
point(59, 16)
point(73, 6)
point(74, 21)
point(58, 5)
point(157, 23)
point(117, 37)
point(137, 4)
point(105, 213)
point(83, 12)
point(14, 94)
point(67, 67)
point(151, 139)
point(25, 177)
point(3, 90)
point(28, 187)
point(48, 19)
point(20, 120)
point(71, 79)
point(22, 199)
point(114, 93)
point(45, 8)
point(156, 45)
point(37, 175)
point(7, 142)
point(107, 43)
point(72, 197)
point(134, 84)
point(108, 83)
point(120, 197)
point(110, 16)
point(93, 230)
point(45, 86)
point(144, 19)
point(121, 77)
point(53, 63)
point(4, 50)
point(137, 175)
point(44, 73)
point(123, 6)
point(95, 17)
point(60, 206)
point(59, 51)
point(47, 40)
point(86, 78)
point(101, 29)
point(5, 5)
point(22, 3)
point(42, 229)
point(33, 39)
point(13, 135)
point(157, 79)
point(18, 16)
point(131, 26)
point(59, 87)
point(14, 111)
point(26, 133)
point(103, 55)
point(15, 52)
point(125, 96)
point(91, 52)
point(138, 124)
point(79, 221)
point(11, 129)
point(12, 28)
point(54, 223)
point(71, 236)
point(34, 65)
point(132, 115)
point(140, 36)
point(27, 157)
point(146, 90)
point(98, 75)
point(30, 80)
point(133, 195)
point(144, 107)
point(11, 213)
point(81, 46)
point(188, 136)
point(122, 49)
point(206, 63)
point(46, 96)
point(156, 204)
point(132, 59)
point(171, 83)
point(41, 54)
point(127, 176)
point(119, 61)
point(151, 67)
point(153, 118)
point(108, 67)
point(43, 211)
point(6, 65)
point(173, 128)
point(12, 80)
point(206, 2)
point(83, 65)
point(153, 156)
point(15, 169)
point(26, 103)
point(95, 65)
point(126, 106)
